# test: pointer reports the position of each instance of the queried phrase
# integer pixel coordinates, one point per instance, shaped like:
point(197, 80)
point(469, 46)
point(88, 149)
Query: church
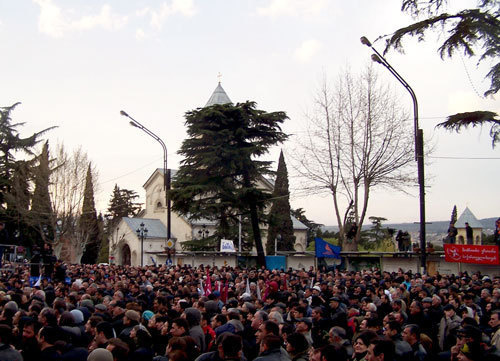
point(129, 246)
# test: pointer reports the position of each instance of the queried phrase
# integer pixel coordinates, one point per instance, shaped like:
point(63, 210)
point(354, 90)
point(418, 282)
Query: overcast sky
point(77, 63)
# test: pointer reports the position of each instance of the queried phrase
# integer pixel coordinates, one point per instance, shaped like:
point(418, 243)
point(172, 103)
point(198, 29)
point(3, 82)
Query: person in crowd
point(157, 311)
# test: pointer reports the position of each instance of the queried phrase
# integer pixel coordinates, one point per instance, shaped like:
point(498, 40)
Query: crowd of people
point(181, 313)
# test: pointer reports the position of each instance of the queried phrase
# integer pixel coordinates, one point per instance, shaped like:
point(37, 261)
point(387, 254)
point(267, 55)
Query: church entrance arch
point(125, 255)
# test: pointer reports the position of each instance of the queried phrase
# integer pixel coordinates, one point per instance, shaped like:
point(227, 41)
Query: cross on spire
point(219, 75)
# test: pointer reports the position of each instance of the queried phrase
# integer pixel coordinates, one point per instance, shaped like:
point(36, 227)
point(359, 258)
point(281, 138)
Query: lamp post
point(166, 178)
point(142, 233)
point(419, 146)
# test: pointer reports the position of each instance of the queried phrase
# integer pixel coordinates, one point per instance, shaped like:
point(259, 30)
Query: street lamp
point(166, 178)
point(142, 233)
point(419, 145)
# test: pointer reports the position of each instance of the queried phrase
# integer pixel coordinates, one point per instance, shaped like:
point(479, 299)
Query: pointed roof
point(219, 96)
point(468, 217)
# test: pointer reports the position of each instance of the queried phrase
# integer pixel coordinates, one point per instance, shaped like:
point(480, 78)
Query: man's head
point(411, 334)
point(270, 342)
point(5, 334)
point(103, 332)
point(266, 328)
point(179, 327)
point(337, 335)
point(258, 318)
point(47, 336)
point(449, 310)
point(303, 325)
point(380, 350)
point(118, 348)
point(494, 321)
point(392, 329)
point(230, 346)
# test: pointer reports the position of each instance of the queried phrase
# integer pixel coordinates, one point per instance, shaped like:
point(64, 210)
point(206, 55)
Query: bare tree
point(359, 138)
point(67, 184)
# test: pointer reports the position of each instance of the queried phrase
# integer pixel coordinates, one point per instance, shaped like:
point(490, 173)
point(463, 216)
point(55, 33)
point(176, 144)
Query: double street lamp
point(142, 232)
point(419, 146)
point(166, 177)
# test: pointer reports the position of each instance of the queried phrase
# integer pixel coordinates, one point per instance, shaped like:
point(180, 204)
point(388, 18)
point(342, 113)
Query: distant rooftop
point(219, 96)
point(469, 217)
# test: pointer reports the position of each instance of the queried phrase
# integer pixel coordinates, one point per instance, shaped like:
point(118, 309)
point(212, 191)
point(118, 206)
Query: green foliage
point(41, 216)
point(453, 218)
point(16, 175)
point(122, 204)
point(459, 121)
point(280, 222)
point(377, 239)
point(467, 30)
point(104, 232)
point(88, 221)
point(488, 239)
point(218, 177)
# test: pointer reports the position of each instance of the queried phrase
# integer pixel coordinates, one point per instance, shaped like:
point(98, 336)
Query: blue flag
point(325, 249)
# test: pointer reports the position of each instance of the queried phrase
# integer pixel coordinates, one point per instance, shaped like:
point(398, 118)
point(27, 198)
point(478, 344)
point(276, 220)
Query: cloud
point(305, 8)
point(140, 34)
point(307, 50)
point(56, 22)
point(182, 7)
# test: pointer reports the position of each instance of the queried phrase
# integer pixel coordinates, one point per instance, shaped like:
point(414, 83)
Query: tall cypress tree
point(41, 216)
point(88, 221)
point(280, 221)
point(218, 177)
point(454, 215)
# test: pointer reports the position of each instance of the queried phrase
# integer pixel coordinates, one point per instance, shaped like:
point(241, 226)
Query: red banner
point(471, 254)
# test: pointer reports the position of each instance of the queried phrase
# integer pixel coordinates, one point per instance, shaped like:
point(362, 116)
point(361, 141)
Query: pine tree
point(122, 203)
point(217, 179)
point(41, 216)
point(11, 143)
point(467, 31)
point(454, 215)
point(88, 221)
point(280, 221)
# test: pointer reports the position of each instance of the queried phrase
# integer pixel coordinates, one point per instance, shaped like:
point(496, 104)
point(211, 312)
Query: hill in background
point(435, 231)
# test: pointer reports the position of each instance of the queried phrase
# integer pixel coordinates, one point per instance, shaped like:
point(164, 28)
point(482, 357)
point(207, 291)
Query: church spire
point(219, 96)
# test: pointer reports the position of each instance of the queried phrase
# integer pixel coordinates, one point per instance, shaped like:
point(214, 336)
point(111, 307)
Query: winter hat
point(147, 315)
point(193, 316)
point(100, 354)
point(78, 316)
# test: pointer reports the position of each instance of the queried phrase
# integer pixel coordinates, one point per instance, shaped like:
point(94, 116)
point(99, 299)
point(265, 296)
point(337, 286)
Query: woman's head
point(363, 340)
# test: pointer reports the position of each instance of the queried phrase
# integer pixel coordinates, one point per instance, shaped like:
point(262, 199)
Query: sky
point(77, 63)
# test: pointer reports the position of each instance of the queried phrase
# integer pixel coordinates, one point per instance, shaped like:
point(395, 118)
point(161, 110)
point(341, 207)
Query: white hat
point(317, 288)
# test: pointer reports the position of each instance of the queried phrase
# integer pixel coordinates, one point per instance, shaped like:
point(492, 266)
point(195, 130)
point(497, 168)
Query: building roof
point(155, 227)
point(297, 224)
point(219, 96)
point(468, 217)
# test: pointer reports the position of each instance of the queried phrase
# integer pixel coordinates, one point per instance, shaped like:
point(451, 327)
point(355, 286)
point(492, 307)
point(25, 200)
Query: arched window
point(158, 205)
